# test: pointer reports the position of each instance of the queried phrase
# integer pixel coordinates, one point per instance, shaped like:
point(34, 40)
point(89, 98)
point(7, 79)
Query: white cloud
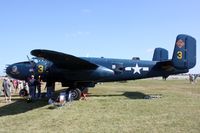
point(86, 11)
point(150, 50)
point(77, 34)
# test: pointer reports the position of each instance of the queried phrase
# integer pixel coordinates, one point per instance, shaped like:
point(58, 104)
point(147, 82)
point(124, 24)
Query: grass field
point(112, 107)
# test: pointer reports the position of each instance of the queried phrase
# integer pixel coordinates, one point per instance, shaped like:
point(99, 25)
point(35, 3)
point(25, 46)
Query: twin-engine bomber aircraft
point(78, 73)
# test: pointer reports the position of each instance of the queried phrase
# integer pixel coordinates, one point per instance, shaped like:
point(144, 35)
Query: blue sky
point(109, 28)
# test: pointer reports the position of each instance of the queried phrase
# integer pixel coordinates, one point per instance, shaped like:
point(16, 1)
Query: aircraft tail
point(184, 56)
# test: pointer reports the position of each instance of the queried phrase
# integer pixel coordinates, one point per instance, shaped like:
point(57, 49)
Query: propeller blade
point(31, 61)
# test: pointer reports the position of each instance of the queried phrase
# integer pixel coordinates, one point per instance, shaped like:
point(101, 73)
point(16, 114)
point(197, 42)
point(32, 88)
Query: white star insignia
point(136, 69)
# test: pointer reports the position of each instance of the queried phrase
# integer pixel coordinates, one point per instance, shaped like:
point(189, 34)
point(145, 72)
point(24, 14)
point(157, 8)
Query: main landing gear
point(76, 92)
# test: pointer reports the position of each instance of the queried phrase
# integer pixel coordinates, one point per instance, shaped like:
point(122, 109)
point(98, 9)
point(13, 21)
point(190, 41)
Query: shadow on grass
point(135, 95)
point(20, 105)
point(131, 95)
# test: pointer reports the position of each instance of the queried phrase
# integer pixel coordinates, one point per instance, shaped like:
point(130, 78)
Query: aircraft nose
point(19, 70)
point(12, 70)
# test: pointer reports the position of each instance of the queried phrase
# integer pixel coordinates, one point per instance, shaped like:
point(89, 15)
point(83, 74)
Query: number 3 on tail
point(179, 55)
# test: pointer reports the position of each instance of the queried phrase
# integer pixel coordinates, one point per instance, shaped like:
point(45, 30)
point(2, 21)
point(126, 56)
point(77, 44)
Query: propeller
point(32, 63)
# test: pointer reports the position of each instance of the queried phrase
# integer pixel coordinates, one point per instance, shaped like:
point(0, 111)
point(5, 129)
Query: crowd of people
point(31, 89)
point(34, 85)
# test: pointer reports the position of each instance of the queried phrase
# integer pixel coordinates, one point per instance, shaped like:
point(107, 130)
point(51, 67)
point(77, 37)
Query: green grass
point(112, 107)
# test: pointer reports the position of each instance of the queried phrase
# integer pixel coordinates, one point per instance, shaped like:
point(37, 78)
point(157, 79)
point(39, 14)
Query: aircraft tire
point(76, 94)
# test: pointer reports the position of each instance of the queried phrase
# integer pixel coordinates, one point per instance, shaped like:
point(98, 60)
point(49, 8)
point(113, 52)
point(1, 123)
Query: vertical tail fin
point(160, 54)
point(184, 56)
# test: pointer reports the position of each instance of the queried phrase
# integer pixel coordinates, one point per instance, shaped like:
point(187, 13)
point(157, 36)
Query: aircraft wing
point(64, 61)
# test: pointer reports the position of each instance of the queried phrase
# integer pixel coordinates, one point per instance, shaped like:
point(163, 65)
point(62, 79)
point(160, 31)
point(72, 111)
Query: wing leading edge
point(64, 61)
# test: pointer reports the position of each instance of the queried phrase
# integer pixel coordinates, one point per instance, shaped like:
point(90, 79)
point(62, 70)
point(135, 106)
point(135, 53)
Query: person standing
point(7, 89)
point(15, 85)
point(32, 87)
point(39, 83)
point(50, 86)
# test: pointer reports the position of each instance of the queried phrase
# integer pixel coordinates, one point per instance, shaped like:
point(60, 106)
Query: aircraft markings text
point(40, 68)
point(179, 55)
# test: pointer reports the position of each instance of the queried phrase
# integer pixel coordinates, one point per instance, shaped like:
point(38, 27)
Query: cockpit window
point(37, 60)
